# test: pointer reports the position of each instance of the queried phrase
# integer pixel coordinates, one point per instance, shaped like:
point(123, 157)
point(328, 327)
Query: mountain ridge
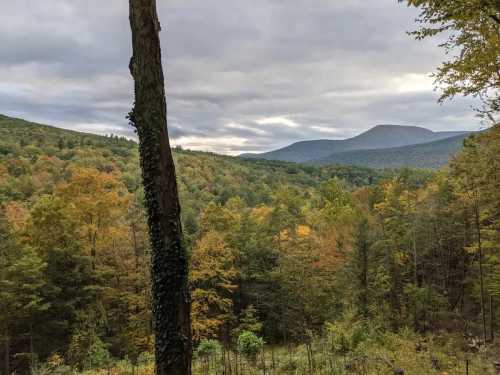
point(383, 136)
point(422, 155)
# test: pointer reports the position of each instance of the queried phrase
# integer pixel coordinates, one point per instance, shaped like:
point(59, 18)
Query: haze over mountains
point(382, 146)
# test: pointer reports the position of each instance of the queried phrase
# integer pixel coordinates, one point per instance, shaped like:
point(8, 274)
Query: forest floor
point(403, 353)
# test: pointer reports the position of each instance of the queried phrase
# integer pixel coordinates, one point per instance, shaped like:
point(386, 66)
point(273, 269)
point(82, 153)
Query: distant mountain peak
point(399, 128)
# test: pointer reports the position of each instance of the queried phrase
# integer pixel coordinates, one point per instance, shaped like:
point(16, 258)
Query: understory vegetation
point(372, 353)
point(293, 269)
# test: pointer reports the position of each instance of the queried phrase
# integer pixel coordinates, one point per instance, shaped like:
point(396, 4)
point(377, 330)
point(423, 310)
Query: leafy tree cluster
point(470, 32)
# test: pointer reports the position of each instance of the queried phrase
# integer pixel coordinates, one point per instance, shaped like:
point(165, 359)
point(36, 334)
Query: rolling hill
point(27, 147)
point(377, 138)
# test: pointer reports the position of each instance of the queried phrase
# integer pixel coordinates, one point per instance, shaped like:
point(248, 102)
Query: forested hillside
point(293, 269)
point(203, 177)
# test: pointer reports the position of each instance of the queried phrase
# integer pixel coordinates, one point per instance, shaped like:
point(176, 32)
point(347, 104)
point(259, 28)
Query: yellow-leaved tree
point(212, 277)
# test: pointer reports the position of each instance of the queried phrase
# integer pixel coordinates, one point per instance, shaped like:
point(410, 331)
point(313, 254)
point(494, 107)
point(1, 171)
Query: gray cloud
point(332, 68)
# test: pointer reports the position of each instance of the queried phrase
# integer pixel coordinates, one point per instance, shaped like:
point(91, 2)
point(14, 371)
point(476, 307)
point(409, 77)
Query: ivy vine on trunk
point(169, 260)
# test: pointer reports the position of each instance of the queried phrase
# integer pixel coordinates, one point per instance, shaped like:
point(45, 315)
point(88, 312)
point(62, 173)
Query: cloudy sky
point(241, 75)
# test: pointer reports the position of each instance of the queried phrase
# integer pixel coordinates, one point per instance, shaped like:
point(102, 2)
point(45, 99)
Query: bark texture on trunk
point(171, 306)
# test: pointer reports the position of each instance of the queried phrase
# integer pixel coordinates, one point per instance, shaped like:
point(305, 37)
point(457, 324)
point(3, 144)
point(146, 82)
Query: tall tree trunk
point(362, 249)
point(6, 344)
point(416, 321)
point(492, 322)
point(171, 306)
point(481, 272)
point(32, 351)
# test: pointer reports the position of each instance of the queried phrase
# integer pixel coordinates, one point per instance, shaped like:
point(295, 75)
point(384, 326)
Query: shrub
point(249, 344)
point(97, 356)
point(345, 338)
point(208, 348)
